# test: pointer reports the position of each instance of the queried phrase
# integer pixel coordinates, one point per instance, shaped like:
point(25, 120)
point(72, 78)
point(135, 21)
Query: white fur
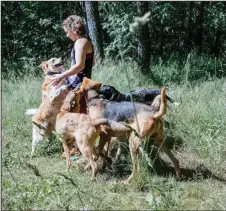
point(77, 134)
point(30, 111)
point(57, 90)
point(36, 138)
point(176, 103)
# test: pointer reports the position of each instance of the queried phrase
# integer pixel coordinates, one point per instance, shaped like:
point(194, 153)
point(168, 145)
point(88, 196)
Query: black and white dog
point(144, 95)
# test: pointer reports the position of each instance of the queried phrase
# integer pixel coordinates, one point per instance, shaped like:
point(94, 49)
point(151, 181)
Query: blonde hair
point(75, 24)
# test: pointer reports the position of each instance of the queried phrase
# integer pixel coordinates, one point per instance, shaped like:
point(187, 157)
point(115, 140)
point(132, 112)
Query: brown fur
point(149, 124)
point(45, 117)
point(73, 126)
point(73, 151)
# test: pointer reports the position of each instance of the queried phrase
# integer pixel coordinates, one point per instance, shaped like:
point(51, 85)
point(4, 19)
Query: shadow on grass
point(174, 142)
point(201, 172)
point(123, 168)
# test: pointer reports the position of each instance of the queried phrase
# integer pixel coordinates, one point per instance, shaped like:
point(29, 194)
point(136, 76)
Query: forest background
point(182, 47)
point(32, 32)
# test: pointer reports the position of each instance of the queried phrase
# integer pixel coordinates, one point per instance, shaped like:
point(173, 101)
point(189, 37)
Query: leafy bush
point(117, 17)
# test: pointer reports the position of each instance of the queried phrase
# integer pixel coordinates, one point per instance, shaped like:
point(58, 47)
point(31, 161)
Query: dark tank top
point(87, 71)
point(75, 80)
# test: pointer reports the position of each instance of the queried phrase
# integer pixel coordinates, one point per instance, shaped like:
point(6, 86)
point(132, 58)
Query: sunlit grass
point(199, 122)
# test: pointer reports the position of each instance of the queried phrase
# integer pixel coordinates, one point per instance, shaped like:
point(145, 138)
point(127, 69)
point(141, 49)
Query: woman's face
point(73, 36)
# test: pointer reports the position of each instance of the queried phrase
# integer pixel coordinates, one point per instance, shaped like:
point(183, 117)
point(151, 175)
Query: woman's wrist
point(70, 72)
point(65, 74)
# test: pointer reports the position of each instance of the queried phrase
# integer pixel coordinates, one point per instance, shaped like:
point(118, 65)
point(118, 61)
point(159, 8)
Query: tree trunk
point(94, 27)
point(217, 45)
point(199, 27)
point(144, 54)
point(82, 5)
point(188, 29)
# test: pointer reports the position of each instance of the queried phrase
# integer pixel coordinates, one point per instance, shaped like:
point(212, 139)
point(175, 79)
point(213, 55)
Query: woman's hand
point(56, 80)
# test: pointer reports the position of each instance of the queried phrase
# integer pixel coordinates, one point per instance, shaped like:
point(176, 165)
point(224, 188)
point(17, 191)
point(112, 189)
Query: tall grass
point(197, 131)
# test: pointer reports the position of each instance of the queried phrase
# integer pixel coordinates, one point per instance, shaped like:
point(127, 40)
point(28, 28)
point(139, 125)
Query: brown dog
point(111, 144)
point(147, 122)
point(73, 126)
point(44, 118)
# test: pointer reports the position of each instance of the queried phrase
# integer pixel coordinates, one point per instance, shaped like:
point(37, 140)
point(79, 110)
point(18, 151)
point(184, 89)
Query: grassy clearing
point(197, 136)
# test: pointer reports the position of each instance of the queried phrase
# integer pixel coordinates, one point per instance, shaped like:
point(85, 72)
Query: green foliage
point(116, 19)
point(41, 182)
point(49, 146)
point(192, 69)
point(32, 33)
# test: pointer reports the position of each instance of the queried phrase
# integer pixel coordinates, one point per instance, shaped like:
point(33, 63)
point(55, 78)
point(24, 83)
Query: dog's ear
point(97, 86)
point(89, 84)
point(83, 86)
point(44, 66)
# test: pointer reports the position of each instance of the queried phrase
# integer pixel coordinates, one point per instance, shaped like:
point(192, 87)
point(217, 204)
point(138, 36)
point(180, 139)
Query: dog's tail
point(30, 111)
point(162, 109)
point(112, 124)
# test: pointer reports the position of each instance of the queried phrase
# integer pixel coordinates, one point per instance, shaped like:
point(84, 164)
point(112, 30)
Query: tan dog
point(44, 118)
point(147, 122)
point(73, 126)
point(155, 106)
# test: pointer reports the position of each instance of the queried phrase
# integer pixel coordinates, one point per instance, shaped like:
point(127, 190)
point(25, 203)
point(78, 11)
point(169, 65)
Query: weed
point(196, 134)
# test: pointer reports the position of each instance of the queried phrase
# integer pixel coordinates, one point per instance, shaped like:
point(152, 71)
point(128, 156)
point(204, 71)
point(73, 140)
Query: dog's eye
point(52, 60)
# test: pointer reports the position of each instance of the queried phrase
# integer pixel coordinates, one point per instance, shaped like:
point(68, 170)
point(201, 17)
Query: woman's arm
point(80, 58)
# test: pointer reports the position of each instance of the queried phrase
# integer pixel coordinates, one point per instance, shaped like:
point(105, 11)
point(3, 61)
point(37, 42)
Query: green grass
point(197, 131)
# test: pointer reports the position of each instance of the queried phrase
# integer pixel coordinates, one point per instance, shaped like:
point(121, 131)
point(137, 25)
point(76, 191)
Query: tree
point(199, 27)
point(94, 26)
point(32, 32)
point(144, 54)
point(218, 46)
point(188, 29)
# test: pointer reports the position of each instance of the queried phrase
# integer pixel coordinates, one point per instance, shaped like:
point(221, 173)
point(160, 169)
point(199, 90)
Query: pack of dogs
point(111, 115)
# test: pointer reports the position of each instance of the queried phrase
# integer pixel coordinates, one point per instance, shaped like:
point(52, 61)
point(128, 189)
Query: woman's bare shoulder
point(84, 42)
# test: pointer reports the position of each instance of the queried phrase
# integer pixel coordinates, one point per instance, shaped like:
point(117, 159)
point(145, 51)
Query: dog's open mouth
point(58, 65)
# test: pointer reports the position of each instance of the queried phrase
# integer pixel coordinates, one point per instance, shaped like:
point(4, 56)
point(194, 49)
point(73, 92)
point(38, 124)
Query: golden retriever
point(44, 118)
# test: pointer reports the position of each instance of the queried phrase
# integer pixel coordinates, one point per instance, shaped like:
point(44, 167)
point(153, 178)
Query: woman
point(82, 55)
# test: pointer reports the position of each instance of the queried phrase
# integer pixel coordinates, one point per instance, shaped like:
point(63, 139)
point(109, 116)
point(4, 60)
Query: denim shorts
point(75, 81)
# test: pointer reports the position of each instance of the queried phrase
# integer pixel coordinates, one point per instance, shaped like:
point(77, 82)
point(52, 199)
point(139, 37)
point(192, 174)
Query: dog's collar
point(53, 73)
